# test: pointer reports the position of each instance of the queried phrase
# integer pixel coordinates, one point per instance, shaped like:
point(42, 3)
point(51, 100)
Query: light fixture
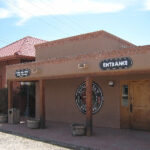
point(82, 66)
point(35, 70)
point(26, 83)
point(111, 83)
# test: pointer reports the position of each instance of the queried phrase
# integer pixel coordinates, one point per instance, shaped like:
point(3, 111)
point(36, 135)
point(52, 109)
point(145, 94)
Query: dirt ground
point(13, 142)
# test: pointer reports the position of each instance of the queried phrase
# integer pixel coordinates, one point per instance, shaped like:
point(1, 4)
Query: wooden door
point(125, 104)
point(140, 105)
point(135, 105)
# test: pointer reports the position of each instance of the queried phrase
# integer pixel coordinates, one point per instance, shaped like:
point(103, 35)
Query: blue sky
point(55, 19)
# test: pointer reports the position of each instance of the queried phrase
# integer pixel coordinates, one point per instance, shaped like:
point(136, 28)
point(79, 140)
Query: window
point(125, 94)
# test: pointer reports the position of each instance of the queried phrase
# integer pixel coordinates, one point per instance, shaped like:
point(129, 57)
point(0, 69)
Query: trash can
point(13, 116)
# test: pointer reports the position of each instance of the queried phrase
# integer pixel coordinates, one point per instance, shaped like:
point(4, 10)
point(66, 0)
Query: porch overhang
point(82, 65)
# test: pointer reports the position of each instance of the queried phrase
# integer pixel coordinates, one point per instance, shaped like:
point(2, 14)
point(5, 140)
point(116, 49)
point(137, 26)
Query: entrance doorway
point(26, 99)
point(135, 104)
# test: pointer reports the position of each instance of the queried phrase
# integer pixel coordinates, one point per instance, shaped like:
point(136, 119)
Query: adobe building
point(95, 78)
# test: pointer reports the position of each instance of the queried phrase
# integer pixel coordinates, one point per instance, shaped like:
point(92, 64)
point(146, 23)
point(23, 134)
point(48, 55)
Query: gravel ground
point(13, 142)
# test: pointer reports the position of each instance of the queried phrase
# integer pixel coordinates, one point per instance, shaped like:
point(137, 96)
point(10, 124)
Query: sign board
point(116, 63)
point(22, 73)
point(97, 97)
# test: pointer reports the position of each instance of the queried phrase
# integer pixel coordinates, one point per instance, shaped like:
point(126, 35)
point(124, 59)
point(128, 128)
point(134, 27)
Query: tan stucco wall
point(76, 47)
point(49, 69)
point(60, 100)
point(61, 106)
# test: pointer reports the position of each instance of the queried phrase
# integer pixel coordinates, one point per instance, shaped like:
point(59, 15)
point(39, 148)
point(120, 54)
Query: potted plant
point(33, 123)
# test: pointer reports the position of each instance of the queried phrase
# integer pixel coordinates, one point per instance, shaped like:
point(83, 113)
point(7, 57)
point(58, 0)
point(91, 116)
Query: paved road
point(13, 142)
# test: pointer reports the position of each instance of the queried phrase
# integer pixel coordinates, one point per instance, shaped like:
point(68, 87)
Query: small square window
point(125, 95)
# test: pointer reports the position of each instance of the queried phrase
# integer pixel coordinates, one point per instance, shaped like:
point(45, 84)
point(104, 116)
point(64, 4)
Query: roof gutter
point(12, 57)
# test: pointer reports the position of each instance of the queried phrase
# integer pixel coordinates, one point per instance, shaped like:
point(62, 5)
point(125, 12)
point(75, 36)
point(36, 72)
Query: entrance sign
point(97, 97)
point(22, 73)
point(116, 63)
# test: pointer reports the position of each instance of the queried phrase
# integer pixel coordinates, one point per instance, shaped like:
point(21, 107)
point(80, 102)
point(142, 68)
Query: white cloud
point(26, 9)
point(147, 4)
point(4, 13)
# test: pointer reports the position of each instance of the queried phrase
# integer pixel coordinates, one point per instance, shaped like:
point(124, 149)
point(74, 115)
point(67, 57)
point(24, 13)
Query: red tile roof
point(23, 47)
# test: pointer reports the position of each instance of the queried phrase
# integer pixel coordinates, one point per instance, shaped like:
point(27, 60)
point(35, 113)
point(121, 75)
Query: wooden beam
point(88, 106)
point(10, 94)
point(42, 102)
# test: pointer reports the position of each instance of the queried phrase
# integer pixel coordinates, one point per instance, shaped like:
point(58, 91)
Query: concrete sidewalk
point(102, 139)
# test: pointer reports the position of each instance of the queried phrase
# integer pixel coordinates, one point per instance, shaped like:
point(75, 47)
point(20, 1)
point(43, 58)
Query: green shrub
point(3, 100)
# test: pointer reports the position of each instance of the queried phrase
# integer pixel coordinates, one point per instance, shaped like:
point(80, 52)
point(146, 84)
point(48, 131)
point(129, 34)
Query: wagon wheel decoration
point(97, 97)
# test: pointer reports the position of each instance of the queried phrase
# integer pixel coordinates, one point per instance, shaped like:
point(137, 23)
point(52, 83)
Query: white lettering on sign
point(116, 63)
point(22, 73)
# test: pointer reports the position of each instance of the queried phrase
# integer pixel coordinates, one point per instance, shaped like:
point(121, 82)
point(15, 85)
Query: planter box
point(78, 129)
point(3, 118)
point(33, 124)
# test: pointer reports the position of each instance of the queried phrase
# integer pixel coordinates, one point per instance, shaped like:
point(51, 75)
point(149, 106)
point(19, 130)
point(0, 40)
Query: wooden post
point(42, 102)
point(88, 106)
point(10, 94)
